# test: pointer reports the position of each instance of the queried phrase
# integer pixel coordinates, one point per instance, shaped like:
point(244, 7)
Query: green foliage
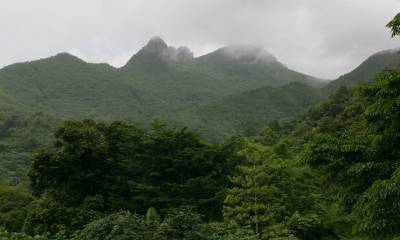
point(180, 224)
point(394, 25)
point(152, 215)
point(366, 71)
point(268, 195)
point(247, 112)
point(48, 215)
point(352, 141)
point(20, 134)
point(149, 86)
point(331, 173)
point(119, 226)
point(378, 207)
point(227, 231)
point(100, 168)
point(13, 206)
point(92, 208)
point(5, 235)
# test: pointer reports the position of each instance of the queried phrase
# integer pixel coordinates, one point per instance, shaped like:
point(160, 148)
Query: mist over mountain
point(164, 82)
point(158, 81)
point(157, 53)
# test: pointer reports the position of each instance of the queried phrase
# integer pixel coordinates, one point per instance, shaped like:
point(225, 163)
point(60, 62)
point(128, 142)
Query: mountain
point(159, 81)
point(234, 90)
point(157, 55)
point(251, 67)
point(367, 70)
point(66, 86)
point(180, 80)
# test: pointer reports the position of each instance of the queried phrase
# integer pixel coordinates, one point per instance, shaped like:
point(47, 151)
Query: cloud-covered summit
point(157, 49)
point(248, 54)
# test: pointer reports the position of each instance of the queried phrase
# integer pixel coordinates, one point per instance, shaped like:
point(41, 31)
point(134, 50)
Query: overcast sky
point(318, 37)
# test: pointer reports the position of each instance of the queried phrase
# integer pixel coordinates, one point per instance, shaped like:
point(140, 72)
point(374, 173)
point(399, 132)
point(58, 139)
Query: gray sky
point(318, 37)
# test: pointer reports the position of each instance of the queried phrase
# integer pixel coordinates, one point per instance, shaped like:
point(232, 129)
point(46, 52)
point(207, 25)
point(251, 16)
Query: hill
point(366, 71)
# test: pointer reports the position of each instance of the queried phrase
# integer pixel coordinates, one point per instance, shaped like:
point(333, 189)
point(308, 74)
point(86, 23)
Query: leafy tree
point(376, 207)
point(226, 231)
point(13, 206)
point(266, 193)
point(105, 167)
point(91, 209)
point(48, 215)
point(394, 25)
point(152, 215)
point(181, 224)
point(5, 235)
point(119, 226)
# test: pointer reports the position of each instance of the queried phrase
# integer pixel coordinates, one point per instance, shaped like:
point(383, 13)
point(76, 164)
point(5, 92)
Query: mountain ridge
point(366, 71)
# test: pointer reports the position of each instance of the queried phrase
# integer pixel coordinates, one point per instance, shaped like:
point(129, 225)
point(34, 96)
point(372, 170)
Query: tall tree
point(266, 193)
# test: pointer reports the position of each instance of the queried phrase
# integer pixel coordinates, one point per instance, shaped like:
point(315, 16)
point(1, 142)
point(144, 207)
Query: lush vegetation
point(20, 134)
point(267, 104)
point(330, 173)
point(159, 82)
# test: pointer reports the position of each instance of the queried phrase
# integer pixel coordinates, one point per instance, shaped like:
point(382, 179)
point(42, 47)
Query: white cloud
point(322, 38)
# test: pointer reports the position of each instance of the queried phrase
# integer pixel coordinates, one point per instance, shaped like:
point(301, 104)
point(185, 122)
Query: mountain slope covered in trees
point(234, 90)
point(330, 173)
point(247, 112)
point(366, 71)
point(157, 81)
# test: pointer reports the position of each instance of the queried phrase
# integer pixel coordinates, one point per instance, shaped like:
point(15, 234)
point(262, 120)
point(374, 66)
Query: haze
point(321, 38)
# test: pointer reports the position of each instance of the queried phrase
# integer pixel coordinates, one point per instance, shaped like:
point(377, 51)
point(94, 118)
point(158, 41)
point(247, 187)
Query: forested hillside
point(330, 173)
point(247, 112)
point(158, 82)
point(20, 135)
point(367, 70)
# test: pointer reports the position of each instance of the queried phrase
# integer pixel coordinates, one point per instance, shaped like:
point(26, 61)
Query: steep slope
point(167, 74)
point(173, 75)
point(247, 112)
point(367, 70)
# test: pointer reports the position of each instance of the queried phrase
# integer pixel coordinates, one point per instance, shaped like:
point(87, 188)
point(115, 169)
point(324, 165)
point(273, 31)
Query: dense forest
point(332, 172)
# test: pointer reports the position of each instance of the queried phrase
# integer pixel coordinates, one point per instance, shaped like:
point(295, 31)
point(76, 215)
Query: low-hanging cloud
point(321, 38)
